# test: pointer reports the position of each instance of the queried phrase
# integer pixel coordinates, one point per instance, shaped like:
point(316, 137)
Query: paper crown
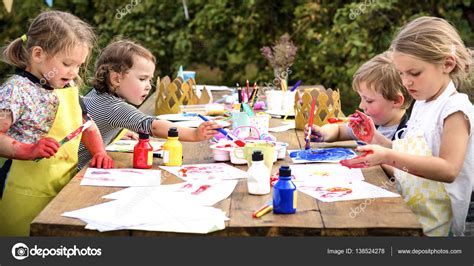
point(328, 105)
point(170, 95)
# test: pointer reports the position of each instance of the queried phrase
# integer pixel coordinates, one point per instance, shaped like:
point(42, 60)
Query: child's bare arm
point(444, 168)
point(205, 131)
point(12, 149)
point(381, 140)
point(329, 132)
point(92, 140)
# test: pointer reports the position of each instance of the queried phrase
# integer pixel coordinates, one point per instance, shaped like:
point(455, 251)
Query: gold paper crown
point(328, 104)
point(170, 95)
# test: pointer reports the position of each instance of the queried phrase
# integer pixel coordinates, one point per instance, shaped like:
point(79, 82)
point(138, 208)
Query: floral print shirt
point(32, 107)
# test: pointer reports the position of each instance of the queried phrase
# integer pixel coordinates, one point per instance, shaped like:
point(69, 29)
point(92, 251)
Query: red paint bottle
point(143, 152)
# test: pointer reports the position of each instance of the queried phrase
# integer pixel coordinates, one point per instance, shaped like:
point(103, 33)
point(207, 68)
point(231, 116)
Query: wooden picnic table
point(376, 217)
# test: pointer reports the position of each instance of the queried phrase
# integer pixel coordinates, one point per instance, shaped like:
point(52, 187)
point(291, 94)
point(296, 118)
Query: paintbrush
point(310, 124)
point(334, 120)
point(247, 91)
point(237, 141)
point(254, 97)
point(296, 85)
point(72, 135)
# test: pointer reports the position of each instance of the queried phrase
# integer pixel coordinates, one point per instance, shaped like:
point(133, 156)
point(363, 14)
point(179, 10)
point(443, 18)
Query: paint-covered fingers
point(363, 127)
point(44, 148)
point(102, 160)
point(371, 155)
point(316, 133)
point(207, 130)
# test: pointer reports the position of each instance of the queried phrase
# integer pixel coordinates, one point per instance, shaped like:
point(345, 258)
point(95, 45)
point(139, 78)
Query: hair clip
point(24, 38)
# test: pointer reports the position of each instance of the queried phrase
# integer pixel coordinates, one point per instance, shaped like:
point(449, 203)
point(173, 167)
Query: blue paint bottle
point(284, 192)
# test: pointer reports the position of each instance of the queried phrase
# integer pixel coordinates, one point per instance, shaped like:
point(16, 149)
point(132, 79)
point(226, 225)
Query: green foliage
point(222, 38)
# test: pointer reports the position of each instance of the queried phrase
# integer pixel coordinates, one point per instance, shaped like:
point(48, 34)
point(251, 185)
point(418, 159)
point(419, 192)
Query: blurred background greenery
point(221, 40)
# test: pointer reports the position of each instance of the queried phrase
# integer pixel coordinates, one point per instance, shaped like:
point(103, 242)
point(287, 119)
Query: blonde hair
point(380, 74)
point(432, 39)
point(117, 57)
point(54, 32)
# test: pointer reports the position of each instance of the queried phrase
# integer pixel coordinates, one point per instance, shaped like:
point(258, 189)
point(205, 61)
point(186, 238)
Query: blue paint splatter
point(323, 155)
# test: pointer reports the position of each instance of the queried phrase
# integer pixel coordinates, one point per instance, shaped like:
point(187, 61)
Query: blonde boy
point(383, 98)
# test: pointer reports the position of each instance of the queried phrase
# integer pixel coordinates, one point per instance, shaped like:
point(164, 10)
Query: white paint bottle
point(258, 181)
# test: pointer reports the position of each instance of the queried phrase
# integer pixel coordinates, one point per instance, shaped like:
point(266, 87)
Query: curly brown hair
point(117, 57)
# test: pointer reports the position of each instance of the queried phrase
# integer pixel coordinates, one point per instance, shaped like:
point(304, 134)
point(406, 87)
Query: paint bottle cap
point(143, 135)
point(284, 171)
point(172, 132)
point(257, 156)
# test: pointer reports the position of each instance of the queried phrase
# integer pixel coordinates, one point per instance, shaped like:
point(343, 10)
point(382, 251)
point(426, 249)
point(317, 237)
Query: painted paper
point(122, 177)
point(212, 171)
point(340, 191)
point(321, 155)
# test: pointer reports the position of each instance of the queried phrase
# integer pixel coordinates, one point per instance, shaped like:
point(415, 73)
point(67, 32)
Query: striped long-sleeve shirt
point(112, 114)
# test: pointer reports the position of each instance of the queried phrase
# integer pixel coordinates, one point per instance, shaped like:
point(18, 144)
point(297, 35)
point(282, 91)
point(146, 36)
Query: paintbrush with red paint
point(72, 135)
point(310, 124)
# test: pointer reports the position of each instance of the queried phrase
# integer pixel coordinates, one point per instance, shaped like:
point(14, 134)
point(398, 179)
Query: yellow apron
point(428, 199)
point(119, 135)
point(31, 185)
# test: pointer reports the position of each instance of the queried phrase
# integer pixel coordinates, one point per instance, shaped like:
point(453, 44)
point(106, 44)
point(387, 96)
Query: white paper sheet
point(282, 128)
point(122, 177)
point(203, 193)
point(340, 191)
point(323, 172)
point(160, 212)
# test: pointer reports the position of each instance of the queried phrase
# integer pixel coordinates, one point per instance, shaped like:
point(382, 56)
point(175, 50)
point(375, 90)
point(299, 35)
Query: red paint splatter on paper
point(201, 189)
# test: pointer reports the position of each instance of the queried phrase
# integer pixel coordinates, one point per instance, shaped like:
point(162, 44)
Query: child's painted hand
point(371, 155)
point(44, 148)
point(316, 133)
point(207, 130)
point(102, 160)
point(364, 129)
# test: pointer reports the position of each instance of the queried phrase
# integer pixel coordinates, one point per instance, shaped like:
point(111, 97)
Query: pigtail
point(15, 54)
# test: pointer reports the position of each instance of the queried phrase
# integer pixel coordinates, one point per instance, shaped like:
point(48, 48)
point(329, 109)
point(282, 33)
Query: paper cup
point(261, 123)
point(274, 100)
point(288, 102)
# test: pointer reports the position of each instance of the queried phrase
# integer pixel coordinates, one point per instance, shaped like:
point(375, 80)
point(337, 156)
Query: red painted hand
point(44, 148)
point(371, 155)
point(102, 160)
point(363, 128)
